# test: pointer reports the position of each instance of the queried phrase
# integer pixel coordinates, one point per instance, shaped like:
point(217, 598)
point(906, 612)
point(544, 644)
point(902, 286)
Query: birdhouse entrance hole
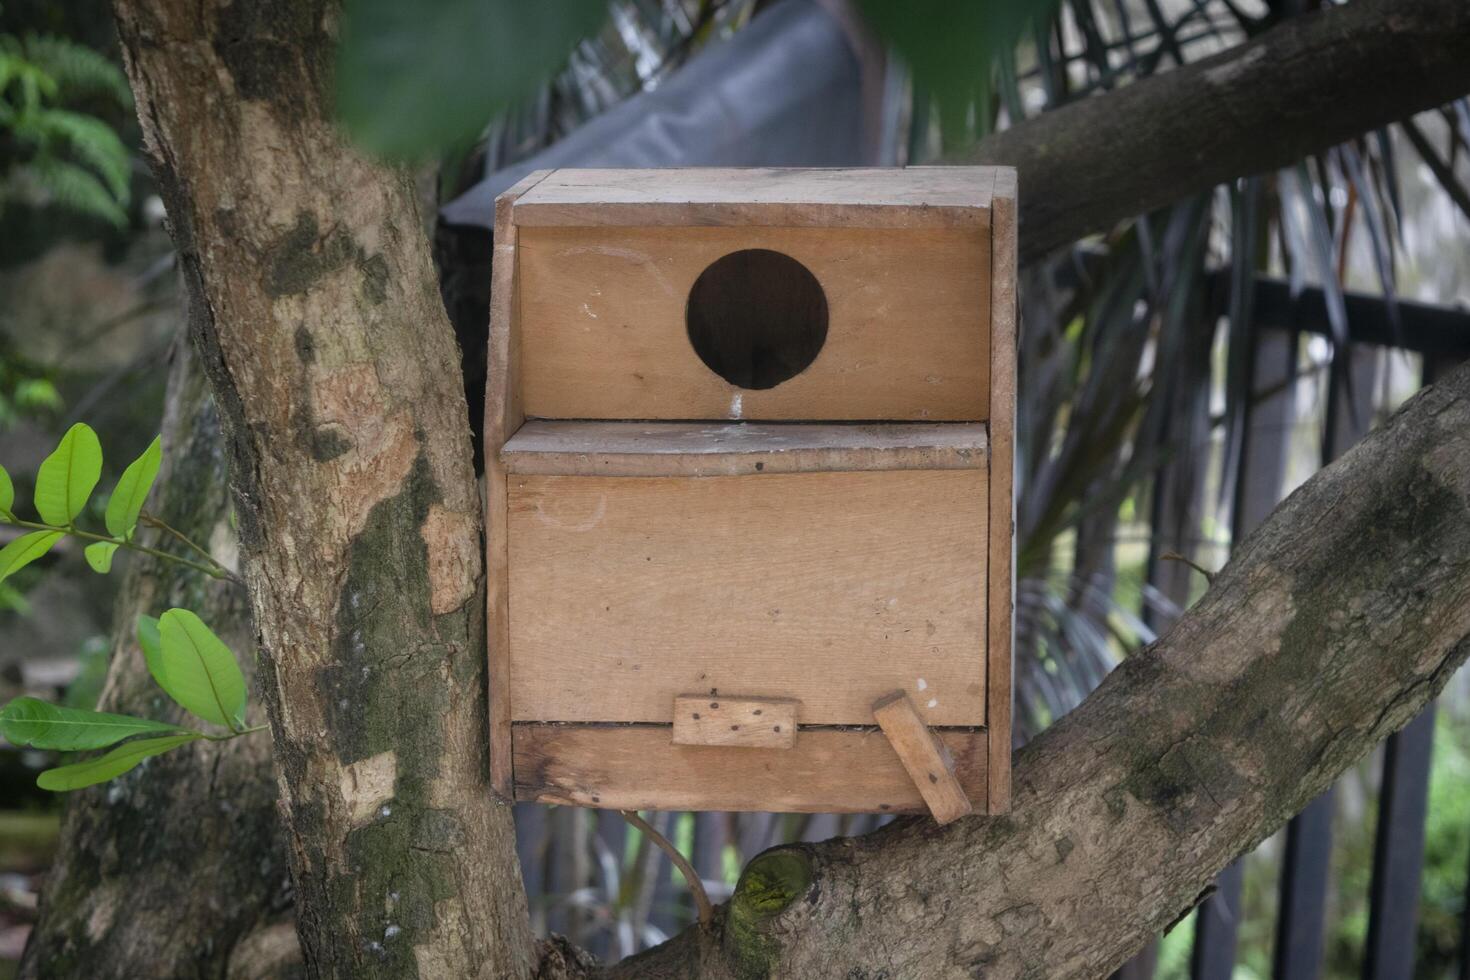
point(757, 317)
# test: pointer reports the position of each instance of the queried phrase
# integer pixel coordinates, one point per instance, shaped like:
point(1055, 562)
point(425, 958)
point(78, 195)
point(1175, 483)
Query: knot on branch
point(770, 884)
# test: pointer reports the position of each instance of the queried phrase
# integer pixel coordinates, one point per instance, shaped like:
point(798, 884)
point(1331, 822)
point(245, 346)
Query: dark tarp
point(788, 90)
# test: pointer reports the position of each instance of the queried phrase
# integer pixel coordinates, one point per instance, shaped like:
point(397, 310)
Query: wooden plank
point(636, 767)
point(929, 197)
point(908, 328)
point(752, 723)
point(627, 591)
point(700, 449)
point(502, 417)
point(923, 756)
point(1002, 415)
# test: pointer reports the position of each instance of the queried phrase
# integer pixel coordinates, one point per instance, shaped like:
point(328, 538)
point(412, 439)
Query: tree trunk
point(330, 355)
point(175, 867)
point(1332, 626)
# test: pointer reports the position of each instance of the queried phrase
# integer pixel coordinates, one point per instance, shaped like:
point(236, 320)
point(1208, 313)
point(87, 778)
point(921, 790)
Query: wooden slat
point(907, 332)
point(934, 197)
point(502, 417)
point(741, 723)
point(832, 588)
point(702, 449)
point(637, 767)
point(1002, 415)
point(923, 756)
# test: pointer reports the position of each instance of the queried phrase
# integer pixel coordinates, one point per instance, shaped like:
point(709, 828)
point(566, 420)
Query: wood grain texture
point(1001, 575)
point(502, 417)
point(918, 197)
point(572, 448)
point(636, 767)
point(908, 335)
point(737, 722)
point(833, 588)
point(924, 757)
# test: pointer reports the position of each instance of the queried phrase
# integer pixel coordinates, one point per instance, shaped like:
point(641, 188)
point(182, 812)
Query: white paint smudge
point(922, 684)
point(556, 521)
point(588, 310)
point(933, 702)
point(736, 405)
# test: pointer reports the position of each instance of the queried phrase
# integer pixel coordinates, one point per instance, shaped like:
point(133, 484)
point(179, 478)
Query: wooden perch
point(1331, 627)
point(924, 757)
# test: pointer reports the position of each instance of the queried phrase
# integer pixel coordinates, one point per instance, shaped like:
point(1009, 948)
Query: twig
point(691, 877)
point(152, 521)
point(1176, 556)
point(218, 571)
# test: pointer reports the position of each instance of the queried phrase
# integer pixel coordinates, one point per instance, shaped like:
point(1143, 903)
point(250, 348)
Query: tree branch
point(1309, 83)
point(1332, 626)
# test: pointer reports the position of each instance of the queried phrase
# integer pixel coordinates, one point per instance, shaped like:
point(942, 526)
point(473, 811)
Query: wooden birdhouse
point(749, 453)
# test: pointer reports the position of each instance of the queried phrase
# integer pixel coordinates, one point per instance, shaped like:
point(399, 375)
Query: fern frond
point(78, 70)
point(94, 142)
point(73, 186)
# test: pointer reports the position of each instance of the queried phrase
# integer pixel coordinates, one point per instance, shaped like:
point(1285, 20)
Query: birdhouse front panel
point(748, 484)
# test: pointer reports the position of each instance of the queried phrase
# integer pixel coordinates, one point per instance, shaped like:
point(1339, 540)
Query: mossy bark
point(327, 346)
point(1332, 626)
point(178, 868)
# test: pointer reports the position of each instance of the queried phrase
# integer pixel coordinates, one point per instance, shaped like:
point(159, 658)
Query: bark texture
point(178, 866)
point(322, 332)
point(1335, 622)
point(1309, 83)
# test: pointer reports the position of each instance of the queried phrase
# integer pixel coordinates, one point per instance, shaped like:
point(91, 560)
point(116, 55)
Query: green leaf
point(417, 79)
point(126, 502)
point(99, 556)
point(67, 477)
point(7, 495)
point(951, 48)
point(113, 764)
point(29, 721)
point(24, 550)
point(198, 670)
point(148, 640)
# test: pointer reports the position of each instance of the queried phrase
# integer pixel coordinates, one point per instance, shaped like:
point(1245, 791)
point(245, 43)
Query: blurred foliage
point(417, 81)
point(954, 50)
point(49, 152)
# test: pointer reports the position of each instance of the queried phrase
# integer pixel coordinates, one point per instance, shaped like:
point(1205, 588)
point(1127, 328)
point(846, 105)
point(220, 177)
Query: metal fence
point(1440, 338)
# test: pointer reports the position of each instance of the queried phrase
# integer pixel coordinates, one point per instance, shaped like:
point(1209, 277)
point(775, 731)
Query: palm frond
point(93, 142)
point(70, 185)
point(79, 71)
